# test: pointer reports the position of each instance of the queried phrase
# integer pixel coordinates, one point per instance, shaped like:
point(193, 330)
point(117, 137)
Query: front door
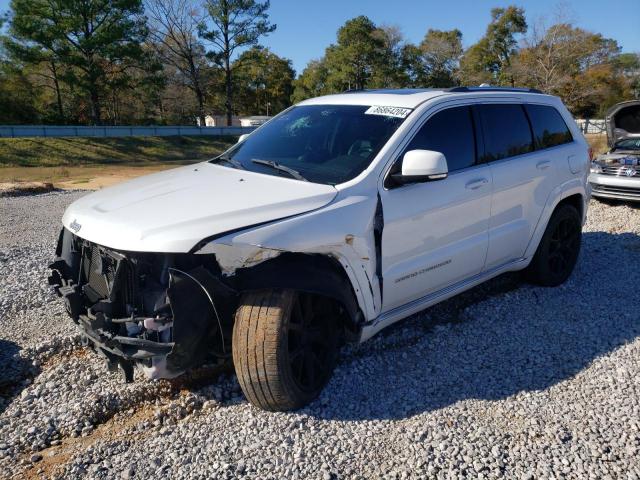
point(436, 233)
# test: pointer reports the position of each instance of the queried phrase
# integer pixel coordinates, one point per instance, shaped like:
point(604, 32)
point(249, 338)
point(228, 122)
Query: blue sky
point(306, 27)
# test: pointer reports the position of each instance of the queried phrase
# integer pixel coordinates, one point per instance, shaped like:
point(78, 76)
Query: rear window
point(549, 128)
point(451, 133)
point(506, 131)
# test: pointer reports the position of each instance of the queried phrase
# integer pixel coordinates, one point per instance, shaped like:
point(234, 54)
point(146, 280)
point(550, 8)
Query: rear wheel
point(285, 345)
point(559, 248)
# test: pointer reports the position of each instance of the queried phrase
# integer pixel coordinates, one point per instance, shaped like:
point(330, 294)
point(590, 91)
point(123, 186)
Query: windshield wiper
point(275, 165)
point(230, 161)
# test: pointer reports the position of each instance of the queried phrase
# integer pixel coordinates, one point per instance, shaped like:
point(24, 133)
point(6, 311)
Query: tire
point(558, 250)
point(285, 346)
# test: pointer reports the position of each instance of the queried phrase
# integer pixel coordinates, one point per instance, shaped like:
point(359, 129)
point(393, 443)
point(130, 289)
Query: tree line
point(172, 61)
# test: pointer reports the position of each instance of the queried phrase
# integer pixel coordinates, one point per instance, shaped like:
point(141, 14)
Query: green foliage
point(173, 31)
point(17, 97)
point(312, 82)
point(92, 61)
point(364, 56)
point(233, 24)
point(582, 67)
point(435, 62)
point(489, 60)
point(98, 42)
point(32, 152)
point(264, 81)
point(352, 61)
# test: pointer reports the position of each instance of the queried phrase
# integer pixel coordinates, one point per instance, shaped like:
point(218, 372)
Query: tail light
point(591, 154)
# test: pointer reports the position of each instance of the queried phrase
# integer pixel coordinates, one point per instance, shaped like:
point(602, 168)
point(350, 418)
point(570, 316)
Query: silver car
point(616, 174)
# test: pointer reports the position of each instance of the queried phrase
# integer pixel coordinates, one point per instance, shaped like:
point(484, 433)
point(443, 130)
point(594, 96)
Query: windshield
point(628, 144)
point(328, 144)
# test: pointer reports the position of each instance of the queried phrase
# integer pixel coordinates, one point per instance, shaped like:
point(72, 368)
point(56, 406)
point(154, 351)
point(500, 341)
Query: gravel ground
point(506, 380)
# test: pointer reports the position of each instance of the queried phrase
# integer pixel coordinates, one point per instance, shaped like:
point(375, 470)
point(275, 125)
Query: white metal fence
point(106, 131)
point(591, 126)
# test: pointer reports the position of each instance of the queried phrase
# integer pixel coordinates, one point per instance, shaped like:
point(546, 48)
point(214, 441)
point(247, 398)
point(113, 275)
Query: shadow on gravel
point(13, 371)
point(519, 339)
point(617, 203)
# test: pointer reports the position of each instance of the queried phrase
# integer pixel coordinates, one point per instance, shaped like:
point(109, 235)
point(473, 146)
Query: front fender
point(343, 231)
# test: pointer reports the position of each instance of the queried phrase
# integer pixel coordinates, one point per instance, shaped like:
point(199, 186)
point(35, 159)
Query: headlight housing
point(595, 167)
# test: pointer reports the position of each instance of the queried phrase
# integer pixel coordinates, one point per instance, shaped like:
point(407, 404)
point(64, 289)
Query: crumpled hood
point(172, 211)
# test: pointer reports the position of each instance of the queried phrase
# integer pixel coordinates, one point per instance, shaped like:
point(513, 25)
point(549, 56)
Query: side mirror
point(422, 166)
point(242, 137)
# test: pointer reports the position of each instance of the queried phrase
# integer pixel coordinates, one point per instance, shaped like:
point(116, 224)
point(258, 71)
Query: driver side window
point(450, 132)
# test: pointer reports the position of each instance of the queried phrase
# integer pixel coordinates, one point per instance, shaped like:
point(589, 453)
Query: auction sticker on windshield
point(388, 111)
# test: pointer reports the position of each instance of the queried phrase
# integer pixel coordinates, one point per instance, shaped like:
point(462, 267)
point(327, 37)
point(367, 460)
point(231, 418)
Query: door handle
point(544, 164)
point(475, 184)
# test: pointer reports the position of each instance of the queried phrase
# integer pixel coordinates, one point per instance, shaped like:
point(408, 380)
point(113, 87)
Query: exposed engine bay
point(152, 309)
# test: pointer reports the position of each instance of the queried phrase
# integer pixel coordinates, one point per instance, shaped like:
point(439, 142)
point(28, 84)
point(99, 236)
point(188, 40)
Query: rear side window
point(451, 133)
point(506, 131)
point(549, 128)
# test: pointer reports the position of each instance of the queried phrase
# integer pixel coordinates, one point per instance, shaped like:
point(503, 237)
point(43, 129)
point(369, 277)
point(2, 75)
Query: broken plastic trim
point(155, 310)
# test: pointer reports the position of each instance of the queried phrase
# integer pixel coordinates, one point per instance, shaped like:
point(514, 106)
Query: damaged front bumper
point(163, 312)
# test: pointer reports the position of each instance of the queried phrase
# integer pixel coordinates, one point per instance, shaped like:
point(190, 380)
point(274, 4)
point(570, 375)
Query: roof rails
point(492, 89)
point(480, 88)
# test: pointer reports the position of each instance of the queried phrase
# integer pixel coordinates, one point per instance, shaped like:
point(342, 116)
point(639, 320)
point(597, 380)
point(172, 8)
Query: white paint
point(439, 238)
point(172, 211)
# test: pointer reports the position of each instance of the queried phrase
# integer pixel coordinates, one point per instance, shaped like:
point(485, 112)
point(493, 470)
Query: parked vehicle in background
point(335, 219)
point(616, 174)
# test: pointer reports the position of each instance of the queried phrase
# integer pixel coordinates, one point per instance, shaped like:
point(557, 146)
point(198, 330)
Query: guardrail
point(591, 125)
point(13, 131)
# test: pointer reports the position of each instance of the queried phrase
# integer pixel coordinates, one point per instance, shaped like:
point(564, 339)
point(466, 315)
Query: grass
point(598, 143)
point(52, 152)
point(78, 160)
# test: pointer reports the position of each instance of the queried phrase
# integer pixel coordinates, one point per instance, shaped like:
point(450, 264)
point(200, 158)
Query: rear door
point(523, 178)
point(435, 233)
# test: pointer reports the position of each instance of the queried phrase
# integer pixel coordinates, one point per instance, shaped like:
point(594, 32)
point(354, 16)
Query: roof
point(407, 97)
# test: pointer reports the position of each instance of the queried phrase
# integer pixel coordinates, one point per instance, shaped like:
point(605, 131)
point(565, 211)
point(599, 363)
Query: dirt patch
point(85, 177)
point(55, 458)
point(58, 358)
point(171, 402)
point(14, 189)
point(103, 179)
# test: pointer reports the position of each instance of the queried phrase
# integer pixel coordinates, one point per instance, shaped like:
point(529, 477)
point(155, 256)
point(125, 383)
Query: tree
point(42, 63)
point(441, 52)
point(233, 24)
point(264, 82)
point(312, 82)
point(435, 62)
point(489, 60)
point(97, 41)
point(17, 96)
point(353, 59)
point(580, 66)
point(629, 65)
point(174, 32)
point(387, 71)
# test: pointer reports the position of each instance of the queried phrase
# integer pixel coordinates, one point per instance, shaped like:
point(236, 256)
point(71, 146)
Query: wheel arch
point(575, 197)
point(306, 272)
point(576, 200)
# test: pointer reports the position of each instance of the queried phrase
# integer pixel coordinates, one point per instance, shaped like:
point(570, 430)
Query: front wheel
point(559, 248)
point(285, 345)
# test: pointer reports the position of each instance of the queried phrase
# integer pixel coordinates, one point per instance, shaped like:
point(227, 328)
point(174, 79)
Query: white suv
point(338, 217)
